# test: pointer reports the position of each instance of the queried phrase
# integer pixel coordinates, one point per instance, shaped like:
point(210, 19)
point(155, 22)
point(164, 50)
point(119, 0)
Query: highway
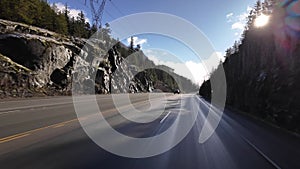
point(45, 133)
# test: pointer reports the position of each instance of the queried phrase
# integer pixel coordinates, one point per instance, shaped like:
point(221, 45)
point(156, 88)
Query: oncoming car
point(176, 91)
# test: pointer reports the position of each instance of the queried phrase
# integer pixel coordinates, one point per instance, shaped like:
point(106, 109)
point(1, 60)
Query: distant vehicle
point(176, 91)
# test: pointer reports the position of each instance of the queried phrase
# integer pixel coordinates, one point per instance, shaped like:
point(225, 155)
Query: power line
point(122, 14)
point(110, 15)
point(115, 6)
point(97, 14)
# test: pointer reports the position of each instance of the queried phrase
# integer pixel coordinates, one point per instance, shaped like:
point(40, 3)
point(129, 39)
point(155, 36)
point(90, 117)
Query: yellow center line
point(20, 135)
point(60, 125)
point(5, 138)
point(13, 138)
point(57, 125)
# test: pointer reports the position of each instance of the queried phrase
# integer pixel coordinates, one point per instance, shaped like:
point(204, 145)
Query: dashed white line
point(13, 111)
point(162, 120)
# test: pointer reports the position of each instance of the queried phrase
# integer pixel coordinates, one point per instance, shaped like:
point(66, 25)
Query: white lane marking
point(13, 111)
point(162, 120)
point(246, 140)
point(33, 107)
point(4, 113)
point(261, 153)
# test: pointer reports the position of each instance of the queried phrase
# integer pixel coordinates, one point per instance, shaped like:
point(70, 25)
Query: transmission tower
point(97, 14)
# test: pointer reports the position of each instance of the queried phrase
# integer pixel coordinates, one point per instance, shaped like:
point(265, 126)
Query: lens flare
point(261, 20)
point(293, 9)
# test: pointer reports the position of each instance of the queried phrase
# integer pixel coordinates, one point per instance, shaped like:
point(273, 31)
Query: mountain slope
point(263, 71)
point(58, 63)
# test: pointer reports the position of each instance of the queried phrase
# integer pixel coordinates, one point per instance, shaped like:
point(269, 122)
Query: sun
point(261, 20)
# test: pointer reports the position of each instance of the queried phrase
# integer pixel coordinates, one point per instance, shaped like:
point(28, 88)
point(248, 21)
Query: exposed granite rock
point(16, 80)
point(51, 63)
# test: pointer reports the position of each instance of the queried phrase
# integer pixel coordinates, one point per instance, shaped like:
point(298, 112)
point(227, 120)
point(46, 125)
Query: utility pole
point(97, 14)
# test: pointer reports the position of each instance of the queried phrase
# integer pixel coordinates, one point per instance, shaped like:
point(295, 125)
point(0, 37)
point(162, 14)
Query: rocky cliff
point(36, 61)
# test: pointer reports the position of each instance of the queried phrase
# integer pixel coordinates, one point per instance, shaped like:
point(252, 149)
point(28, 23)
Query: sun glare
point(261, 20)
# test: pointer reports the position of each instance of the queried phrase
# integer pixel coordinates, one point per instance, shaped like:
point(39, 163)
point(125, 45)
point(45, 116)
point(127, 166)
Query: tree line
point(39, 13)
point(263, 68)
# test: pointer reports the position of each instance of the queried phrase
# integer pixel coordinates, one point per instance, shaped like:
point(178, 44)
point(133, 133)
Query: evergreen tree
point(262, 72)
point(79, 27)
point(40, 13)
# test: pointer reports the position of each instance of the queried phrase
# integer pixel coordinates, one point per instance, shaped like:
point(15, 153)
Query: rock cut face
point(58, 64)
point(40, 56)
point(22, 51)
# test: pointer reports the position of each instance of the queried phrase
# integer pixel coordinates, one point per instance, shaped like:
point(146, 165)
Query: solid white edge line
point(162, 120)
point(261, 153)
point(255, 148)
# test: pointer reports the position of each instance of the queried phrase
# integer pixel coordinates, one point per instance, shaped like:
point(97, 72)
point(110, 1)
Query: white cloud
point(238, 22)
point(73, 12)
point(249, 8)
point(243, 17)
point(238, 25)
point(191, 70)
point(196, 71)
point(136, 41)
point(229, 15)
point(221, 56)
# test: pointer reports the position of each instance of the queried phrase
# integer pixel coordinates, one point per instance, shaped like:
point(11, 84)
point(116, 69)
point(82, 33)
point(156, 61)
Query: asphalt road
point(46, 133)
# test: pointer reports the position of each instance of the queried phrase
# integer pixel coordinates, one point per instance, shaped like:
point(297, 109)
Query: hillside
point(47, 63)
point(263, 69)
point(41, 14)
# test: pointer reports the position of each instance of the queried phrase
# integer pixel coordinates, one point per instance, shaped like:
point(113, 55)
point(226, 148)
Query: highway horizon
point(46, 133)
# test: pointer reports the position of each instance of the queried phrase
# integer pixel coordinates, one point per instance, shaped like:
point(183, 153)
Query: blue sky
point(220, 20)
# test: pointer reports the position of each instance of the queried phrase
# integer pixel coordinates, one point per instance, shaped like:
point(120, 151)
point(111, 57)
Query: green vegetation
point(39, 13)
point(263, 69)
point(162, 76)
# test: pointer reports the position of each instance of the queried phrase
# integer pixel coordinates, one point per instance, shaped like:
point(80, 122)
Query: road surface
point(45, 133)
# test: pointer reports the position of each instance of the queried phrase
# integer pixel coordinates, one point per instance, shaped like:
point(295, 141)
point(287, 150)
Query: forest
point(263, 69)
point(39, 13)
